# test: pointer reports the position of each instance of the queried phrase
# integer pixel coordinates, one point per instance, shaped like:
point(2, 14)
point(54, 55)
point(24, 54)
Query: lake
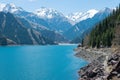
point(56, 62)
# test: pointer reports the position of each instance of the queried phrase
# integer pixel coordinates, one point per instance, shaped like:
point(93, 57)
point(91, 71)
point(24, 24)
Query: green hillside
point(107, 32)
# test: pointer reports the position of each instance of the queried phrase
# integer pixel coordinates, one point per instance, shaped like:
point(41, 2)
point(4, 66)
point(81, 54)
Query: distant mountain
point(56, 20)
point(80, 16)
point(10, 8)
point(49, 34)
point(11, 28)
point(54, 26)
point(84, 26)
point(18, 11)
point(2, 6)
point(48, 13)
point(32, 20)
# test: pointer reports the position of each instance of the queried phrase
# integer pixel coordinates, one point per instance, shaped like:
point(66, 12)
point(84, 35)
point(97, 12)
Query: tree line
point(103, 33)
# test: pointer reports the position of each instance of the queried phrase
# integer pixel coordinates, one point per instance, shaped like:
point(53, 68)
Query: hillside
point(106, 33)
point(14, 32)
point(103, 51)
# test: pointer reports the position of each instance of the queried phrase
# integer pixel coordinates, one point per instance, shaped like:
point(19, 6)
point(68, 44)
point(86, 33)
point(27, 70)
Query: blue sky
point(64, 6)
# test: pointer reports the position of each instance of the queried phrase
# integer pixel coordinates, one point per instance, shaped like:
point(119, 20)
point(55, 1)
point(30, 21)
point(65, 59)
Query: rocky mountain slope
point(85, 26)
point(11, 28)
point(56, 20)
point(31, 20)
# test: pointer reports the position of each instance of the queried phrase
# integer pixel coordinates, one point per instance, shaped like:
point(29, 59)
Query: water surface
point(39, 63)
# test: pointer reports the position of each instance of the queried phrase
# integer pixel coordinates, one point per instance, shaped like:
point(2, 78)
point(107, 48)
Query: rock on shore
point(104, 64)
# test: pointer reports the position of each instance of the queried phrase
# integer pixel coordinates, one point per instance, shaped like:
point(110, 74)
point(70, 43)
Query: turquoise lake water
point(39, 63)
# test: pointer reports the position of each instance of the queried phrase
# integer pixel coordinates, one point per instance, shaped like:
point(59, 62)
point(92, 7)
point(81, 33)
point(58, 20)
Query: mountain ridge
point(50, 21)
point(48, 13)
point(79, 16)
point(11, 28)
point(85, 26)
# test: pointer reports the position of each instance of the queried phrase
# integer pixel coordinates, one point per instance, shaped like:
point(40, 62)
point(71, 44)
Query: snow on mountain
point(47, 13)
point(85, 26)
point(2, 6)
point(79, 16)
point(12, 8)
point(55, 19)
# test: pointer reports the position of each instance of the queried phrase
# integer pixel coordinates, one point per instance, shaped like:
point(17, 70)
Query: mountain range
point(85, 26)
point(80, 16)
point(49, 24)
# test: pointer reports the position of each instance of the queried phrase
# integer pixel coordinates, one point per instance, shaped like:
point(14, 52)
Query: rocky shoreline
point(104, 63)
point(91, 54)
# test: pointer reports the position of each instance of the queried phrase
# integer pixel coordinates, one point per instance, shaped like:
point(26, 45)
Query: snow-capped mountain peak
point(2, 6)
point(91, 13)
point(106, 9)
point(74, 16)
point(47, 13)
point(79, 16)
point(12, 8)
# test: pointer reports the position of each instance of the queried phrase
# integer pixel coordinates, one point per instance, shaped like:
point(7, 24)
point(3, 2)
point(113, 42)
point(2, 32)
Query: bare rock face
point(96, 70)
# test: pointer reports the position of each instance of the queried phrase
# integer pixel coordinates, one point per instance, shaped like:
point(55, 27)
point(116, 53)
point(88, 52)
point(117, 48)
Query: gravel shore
point(91, 54)
point(104, 63)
